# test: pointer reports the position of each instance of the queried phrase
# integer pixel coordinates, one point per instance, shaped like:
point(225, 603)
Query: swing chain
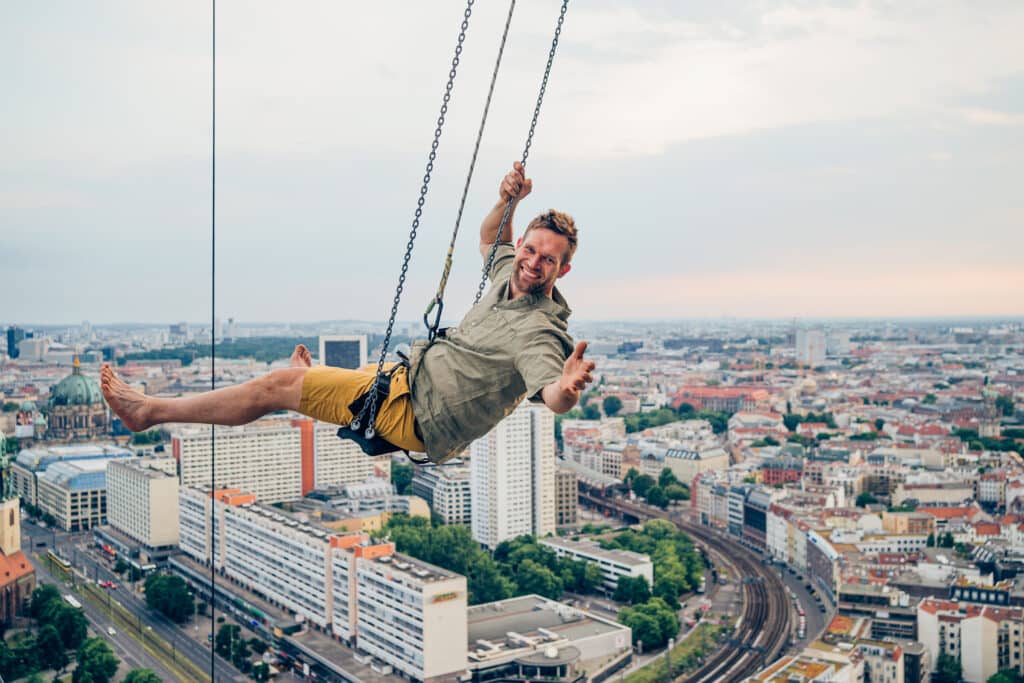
point(438, 300)
point(371, 405)
point(526, 151)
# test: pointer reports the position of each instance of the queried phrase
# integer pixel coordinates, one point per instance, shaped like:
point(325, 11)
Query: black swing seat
point(374, 445)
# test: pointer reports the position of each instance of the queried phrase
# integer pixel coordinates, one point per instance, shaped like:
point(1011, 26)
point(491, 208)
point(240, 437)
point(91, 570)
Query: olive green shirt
point(503, 351)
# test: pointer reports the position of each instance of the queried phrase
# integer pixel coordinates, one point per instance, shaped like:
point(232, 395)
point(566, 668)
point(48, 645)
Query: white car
point(111, 631)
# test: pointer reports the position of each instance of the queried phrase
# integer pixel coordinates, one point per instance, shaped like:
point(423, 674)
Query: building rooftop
point(624, 557)
point(502, 628)
point(39, 458)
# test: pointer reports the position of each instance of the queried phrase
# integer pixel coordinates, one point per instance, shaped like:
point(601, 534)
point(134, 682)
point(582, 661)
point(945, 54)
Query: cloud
point(845, 292)
point(990, 117)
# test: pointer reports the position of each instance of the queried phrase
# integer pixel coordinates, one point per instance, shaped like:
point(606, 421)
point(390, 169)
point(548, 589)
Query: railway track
point(764, 625)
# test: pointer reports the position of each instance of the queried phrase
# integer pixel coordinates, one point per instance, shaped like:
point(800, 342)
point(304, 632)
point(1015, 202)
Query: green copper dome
point(76, 390)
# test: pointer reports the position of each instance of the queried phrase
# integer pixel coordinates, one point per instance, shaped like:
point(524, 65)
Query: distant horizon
point(1008, 318)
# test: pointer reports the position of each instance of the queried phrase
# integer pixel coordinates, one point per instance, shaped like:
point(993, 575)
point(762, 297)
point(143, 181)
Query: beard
point(531, 286)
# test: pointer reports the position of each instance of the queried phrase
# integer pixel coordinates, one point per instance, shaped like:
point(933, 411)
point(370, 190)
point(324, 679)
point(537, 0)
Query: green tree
point(643, 484)
point(879, 423)
point(946, 540)
point(1005, 406)
point(1006, 676)
point(240, 656)
point(791, 421)
point(656, 496)
point(947, 669)
point(52, 654)
point(612, 405)
point(929, 399)
point(931, 540)
point(591, 413)
point(646, 629)
point(141, 676)
point(685, 409)
point(42, 598)
point(261, 672)
point(864, 499)
point(96, 662)
point(71, 626)
point(532, 577)
point(667, 477)
point(169, 595)
point(631, 476)
point(632, 589)
point(401, 477)
point(227, 637)
point(677, 492)
point(486, 583)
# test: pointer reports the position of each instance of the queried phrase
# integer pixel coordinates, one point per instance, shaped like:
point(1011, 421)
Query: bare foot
point(129, 405)
point(301, 357)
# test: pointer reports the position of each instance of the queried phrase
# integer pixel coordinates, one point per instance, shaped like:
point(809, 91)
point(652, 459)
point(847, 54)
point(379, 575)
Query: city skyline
point(777, 161)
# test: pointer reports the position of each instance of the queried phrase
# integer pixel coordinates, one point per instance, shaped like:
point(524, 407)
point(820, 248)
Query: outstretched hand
point(576, 373)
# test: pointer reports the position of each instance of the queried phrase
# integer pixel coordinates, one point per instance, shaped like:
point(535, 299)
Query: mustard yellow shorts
point(327, 393)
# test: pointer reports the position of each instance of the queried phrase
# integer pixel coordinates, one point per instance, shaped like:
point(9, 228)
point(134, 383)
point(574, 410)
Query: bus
point(71, 600)
point(57, 560)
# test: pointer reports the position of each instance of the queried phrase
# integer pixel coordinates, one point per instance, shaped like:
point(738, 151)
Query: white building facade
point(142, 494)
point(512, 477)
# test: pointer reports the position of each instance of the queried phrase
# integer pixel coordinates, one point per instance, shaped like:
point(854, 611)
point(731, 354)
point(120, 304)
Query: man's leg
point(236, 405)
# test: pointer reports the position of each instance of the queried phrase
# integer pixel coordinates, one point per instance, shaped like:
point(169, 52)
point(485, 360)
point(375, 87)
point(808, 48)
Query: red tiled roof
point(14, 567)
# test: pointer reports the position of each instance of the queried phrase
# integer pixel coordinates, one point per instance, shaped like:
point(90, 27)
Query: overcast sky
point(726, 158)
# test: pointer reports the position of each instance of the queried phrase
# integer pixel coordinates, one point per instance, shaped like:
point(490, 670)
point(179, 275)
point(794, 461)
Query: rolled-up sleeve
point(540, 363)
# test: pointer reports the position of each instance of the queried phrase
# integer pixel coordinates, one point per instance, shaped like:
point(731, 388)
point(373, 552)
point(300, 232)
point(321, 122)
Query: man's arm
point(563, 394)
point(514, 184)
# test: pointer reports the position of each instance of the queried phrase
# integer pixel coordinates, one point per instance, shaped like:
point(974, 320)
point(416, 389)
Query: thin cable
point(213, 324)
point(438, 300)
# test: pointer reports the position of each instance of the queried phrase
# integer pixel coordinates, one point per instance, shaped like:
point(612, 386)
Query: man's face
point(538, 262)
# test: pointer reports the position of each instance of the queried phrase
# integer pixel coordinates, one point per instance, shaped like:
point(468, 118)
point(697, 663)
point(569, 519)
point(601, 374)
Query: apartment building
point(341, 461)
point(567, 498)
point(613, 563)
point(986, 639)
point(142, 500)
point(687, 463)
point(446, 488)
point(512, 477)
point(273, 459)
point(405, 613)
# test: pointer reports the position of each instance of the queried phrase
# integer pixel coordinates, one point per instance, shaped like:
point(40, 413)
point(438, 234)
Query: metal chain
point(526, 150)
point(371, 404)
point(438, 299)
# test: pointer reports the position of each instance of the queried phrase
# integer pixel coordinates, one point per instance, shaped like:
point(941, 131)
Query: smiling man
point(513, 344)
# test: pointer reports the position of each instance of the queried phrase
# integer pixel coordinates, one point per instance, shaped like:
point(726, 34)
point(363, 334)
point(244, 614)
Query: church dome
point(76, 390)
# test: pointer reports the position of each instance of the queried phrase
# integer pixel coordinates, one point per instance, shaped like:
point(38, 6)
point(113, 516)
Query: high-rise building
point(15, 335)
point(271, 458)
point(446, 489)
point(140, 491)
point(567, 497)
point(341, 461)
point(343, 351)
point(810, 347)
point(512, 477)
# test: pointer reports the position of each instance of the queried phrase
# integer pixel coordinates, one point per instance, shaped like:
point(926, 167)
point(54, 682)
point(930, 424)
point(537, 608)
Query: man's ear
point(564, 269)
point(519, 242)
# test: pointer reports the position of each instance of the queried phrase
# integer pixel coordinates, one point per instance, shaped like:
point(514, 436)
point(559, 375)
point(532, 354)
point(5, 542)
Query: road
point(78, 550)
point(129, 650)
